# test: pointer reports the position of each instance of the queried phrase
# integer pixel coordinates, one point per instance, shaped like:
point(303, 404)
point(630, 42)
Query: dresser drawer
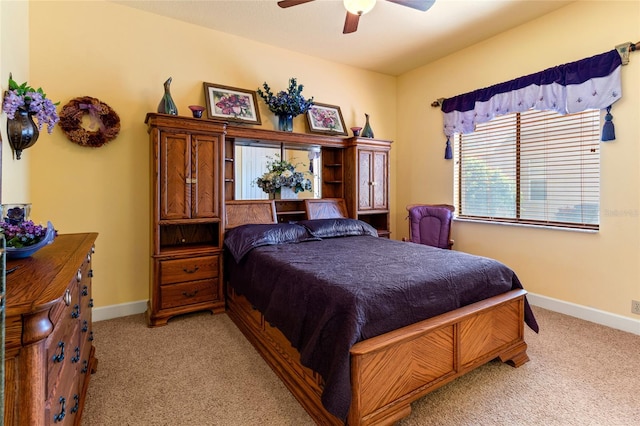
point(64, 403)
point(62, 347)
point(181, 270)
point(188, 293)
point(86, 342)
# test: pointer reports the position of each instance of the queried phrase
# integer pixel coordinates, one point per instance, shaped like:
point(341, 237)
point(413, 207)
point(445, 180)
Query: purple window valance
point(591, 83)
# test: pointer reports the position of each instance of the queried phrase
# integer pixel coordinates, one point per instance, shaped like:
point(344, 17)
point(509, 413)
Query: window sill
point(526, 225)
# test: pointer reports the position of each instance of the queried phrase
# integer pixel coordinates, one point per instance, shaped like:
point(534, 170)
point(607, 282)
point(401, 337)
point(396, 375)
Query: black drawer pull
point(77, 357)
point(85, 290)
point(58, 417)
point(85, 326)
point(192, 294)
point(91, 302)
point(90, 273)
point(85, 366)
point(76, 398)
point(60, 356)
point(191, 271)
point(76, 311)
point(91, 336)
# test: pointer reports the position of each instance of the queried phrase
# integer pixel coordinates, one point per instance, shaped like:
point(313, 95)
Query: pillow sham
point(338, 227)
point(242, 239)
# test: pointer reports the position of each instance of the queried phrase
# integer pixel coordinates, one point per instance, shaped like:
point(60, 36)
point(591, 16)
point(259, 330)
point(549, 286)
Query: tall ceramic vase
point(22, 131)
point(367, 132)
point(166, 105)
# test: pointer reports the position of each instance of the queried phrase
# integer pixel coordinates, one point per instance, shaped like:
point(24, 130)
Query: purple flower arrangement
point(26, 98)
point(290, 102)
point(23, 234)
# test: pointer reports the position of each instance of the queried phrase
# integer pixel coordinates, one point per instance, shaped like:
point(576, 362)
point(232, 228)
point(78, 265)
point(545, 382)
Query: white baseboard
point(586, 313)
point(115, 311)
point(567, 308)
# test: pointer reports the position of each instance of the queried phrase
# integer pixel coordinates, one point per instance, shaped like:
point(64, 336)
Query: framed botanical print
point(231, 104)
point(326, 119)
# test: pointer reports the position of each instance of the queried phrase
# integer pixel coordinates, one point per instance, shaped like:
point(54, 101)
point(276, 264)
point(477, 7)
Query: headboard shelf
point(353, 169)
point(290, 210)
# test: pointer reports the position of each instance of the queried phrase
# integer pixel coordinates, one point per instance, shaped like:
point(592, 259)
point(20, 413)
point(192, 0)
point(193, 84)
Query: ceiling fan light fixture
point(359, 7)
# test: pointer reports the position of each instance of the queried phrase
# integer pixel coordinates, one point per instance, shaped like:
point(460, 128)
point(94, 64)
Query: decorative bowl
point(196, 110)
point(20, 253)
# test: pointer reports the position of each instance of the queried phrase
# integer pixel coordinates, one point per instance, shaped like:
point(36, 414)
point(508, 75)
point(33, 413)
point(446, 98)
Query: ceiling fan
point(356, 8)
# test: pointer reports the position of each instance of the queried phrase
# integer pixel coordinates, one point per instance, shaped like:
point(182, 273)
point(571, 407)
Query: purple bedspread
point(327, 295)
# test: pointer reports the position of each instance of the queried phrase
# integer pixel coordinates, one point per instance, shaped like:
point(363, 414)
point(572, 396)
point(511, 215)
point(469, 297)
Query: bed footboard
point(390, 371)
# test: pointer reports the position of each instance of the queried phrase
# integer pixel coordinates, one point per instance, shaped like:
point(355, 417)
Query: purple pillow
point(342, 227)
point(242, 239)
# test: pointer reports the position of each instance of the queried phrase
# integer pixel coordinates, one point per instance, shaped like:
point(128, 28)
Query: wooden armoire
point(186, 226)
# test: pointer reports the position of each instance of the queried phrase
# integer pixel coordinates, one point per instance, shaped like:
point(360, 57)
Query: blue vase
point(285, 122)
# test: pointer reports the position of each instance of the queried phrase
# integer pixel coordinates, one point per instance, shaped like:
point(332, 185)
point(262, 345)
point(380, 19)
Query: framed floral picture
point(231, 104)
point(326, 119)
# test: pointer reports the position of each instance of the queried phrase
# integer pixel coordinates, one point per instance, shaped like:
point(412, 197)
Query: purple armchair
point(430, 224)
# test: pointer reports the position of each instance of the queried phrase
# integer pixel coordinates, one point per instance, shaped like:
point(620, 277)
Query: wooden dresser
point(49, 352)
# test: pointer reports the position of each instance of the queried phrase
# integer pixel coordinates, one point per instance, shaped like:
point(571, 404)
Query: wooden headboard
point(241, 212)
point(325, 208)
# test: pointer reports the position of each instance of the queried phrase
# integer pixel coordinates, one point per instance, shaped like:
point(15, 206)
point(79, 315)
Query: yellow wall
point(14, 58)
point(599, 270)
point(122, 56)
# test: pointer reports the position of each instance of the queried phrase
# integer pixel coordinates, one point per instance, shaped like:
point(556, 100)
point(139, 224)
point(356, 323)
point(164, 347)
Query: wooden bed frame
point(390, 371)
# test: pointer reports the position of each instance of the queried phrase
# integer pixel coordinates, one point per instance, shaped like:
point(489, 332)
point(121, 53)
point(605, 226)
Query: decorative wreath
point(104, 120)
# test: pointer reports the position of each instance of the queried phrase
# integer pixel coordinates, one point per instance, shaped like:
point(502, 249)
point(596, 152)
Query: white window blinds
point(533, 167)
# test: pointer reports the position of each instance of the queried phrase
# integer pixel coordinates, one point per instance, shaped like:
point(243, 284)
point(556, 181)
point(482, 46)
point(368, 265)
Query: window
point(534, 167)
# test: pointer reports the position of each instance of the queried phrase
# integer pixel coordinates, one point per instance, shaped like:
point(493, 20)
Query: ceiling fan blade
point(422, 5)
point(351, 23)
point(289, 3)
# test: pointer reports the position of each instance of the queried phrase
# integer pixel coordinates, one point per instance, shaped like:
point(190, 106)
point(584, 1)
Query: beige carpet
point(200, 370)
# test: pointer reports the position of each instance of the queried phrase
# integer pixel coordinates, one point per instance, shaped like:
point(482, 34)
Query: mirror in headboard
point(251, 158)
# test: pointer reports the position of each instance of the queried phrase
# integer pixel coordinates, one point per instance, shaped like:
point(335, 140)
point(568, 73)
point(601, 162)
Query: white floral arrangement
point(282, 174)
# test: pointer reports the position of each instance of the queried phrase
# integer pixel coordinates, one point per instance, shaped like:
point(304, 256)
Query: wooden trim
point(288, 138)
